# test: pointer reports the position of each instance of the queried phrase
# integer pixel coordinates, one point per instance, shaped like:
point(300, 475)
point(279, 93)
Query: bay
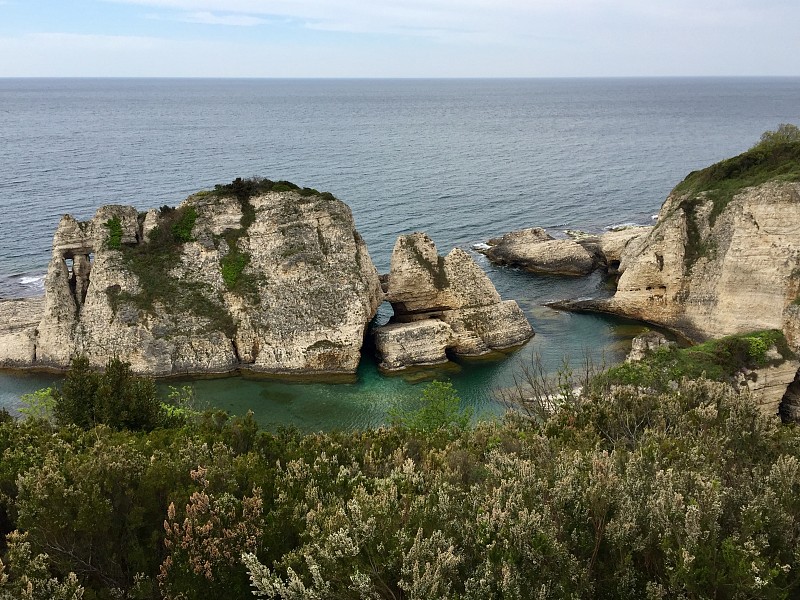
point(463, 160)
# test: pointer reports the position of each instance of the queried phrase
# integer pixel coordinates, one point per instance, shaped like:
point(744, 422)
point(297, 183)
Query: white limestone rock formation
point(708, 275)
point(18, 321)
point(449, 299)
point(254, 275)
point(536, 251)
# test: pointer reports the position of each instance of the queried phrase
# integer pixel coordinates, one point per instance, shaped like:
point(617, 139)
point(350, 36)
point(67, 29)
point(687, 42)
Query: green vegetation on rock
point(775, 158)
point(153, 261)
point(114, 226)
point(718, 359)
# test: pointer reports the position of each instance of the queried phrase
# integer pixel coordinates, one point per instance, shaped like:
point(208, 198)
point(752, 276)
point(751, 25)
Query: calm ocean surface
point(463, 160)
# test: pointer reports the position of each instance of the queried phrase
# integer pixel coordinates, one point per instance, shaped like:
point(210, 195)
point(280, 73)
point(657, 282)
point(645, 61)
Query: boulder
point(647, 343)
point(418, 343)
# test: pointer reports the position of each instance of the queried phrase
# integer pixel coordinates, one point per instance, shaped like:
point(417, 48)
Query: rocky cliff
point(717, 263)
point(443, 303)
point(257, 275)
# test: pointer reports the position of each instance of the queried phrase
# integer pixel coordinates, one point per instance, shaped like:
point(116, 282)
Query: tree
point(439, 407)
point(114, 397)
point(785, 133)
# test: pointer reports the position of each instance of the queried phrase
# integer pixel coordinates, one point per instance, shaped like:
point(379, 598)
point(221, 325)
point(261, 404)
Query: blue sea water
point(463, 160)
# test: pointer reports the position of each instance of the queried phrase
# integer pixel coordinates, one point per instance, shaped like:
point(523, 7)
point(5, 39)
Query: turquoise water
point(366, 403)
point(463, 160)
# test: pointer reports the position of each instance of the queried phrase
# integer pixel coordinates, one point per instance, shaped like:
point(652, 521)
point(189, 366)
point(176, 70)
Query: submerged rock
point(450, 300)
point(254, 275)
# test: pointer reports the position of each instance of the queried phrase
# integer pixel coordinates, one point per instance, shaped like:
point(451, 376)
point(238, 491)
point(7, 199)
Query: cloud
point(210, 18)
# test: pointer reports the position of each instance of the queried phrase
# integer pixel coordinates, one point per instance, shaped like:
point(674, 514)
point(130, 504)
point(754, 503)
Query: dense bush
point(113, 397)
point(718, 359)
point(628, 493)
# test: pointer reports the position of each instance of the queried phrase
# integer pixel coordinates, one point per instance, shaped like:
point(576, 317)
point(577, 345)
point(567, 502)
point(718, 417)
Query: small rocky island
point(255, 275)
point(443, 303)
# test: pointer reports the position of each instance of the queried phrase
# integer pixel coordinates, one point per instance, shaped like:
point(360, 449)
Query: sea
point(461, 159)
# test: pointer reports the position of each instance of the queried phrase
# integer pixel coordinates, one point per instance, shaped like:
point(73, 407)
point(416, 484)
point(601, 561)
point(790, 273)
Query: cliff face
point(271, 280)
point(708, 272)
point(443, 303)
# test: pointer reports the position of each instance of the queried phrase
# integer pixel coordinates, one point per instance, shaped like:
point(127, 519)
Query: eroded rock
point(269, 281)
point(451, 299)
point(536, 251)
point(647, 343)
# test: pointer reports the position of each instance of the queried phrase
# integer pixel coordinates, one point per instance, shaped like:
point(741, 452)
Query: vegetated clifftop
point(724, 257)
point(258, 275)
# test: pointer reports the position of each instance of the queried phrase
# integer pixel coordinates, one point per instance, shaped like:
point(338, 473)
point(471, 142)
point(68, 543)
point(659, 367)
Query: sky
point(398, 38)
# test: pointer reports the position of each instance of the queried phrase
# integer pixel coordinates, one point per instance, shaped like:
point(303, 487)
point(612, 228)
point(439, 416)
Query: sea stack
point(255, 275)
point(441, 304)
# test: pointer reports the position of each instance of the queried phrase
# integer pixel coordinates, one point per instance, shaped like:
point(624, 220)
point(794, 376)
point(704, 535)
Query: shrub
point(784, 134)
point(182, 228)
point(113, 397)
point(439, 407)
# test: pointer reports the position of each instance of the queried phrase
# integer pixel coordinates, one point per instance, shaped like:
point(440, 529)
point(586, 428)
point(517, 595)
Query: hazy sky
point(398, 38)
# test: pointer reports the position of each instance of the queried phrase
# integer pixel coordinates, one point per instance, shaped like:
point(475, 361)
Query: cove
point(310, 407)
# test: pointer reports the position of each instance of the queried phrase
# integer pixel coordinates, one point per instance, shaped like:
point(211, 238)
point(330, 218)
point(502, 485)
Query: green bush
point(114, 226)
point(114, 397)
point(438, 407)
point(232, 265)
point(717, 359)
point(182, 228)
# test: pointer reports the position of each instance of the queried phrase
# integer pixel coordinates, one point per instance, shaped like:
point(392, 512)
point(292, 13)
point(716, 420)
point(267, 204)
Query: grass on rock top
point(723, 180)
point(152, 262)
point(719, 183)
point(718, 359)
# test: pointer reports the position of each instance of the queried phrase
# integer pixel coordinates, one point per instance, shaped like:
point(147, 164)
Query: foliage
point(785, 133)
point(113, 397)
point(438, 407)
point(232, 265)
point(28, 576)
point(40, 404)
point(114, 226)
point(182, 226)
point(718, 359)
point(626, 492)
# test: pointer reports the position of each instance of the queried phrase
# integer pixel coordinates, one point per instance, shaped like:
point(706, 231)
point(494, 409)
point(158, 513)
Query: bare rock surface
point(536, 251)
point(450, 298)
point(647, 343)
point(18, 322)
point(270, 281)
point(417, 343)
point(707, 276)
point(768, 385)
